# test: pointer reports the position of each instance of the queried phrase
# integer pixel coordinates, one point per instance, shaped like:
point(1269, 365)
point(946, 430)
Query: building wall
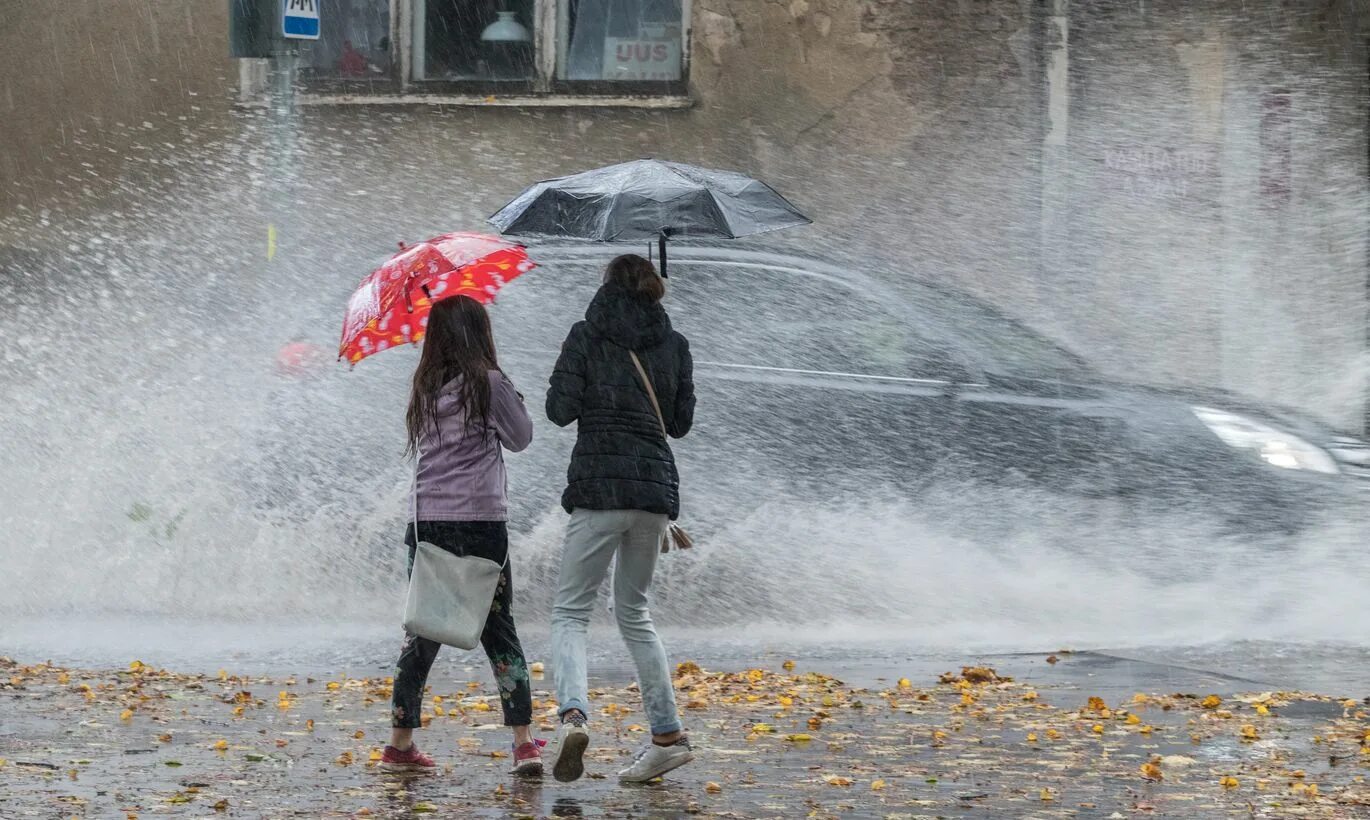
point(911, 131)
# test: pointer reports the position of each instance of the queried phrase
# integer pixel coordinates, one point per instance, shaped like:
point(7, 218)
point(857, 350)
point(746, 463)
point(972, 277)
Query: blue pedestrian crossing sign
point(300, 19)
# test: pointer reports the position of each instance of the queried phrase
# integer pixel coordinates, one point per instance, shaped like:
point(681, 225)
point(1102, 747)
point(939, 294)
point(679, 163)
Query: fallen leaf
point(359, 734)
point(762, 728)
point(536, 667)
point(344, 759)
point(1097, 728)
point(798, 738)
point(1032, 737)
point(375, 756)
point(787, 665)
point(1211, 702)
point(309, 725)
point(1151, 771)
point(1052, 659)
point(836, 780)
point(785, 701)
point(1046, 795)
point(1249, 732)
point(222, 805)
point(135, 666)
point(1229, 782)
point(334, 686)
point(905, 683)
point(220, 746)
point(877, 785)
point(424, 808)
point(712, 787)
point(164, 738)
point(127, 714)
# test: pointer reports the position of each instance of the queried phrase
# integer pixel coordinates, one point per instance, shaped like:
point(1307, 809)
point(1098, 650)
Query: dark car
point(819, 389)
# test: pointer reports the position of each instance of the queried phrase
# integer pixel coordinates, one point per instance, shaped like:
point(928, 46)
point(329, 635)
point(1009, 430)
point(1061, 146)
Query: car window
point(998, 342)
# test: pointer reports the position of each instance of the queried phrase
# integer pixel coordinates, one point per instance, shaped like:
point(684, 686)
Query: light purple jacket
point(463, 478)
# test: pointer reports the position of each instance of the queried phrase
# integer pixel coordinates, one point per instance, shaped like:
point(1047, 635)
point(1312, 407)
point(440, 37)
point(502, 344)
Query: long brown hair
point(458, 344)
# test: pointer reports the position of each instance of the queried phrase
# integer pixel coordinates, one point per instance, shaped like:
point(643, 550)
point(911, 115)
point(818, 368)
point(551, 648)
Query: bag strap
point(651, 393)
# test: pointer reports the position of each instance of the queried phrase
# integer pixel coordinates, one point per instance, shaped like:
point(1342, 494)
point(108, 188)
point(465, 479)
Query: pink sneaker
point(409, 760)
point(528, 757)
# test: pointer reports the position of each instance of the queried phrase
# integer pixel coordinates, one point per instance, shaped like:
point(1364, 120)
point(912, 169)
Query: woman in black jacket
point(622, 493)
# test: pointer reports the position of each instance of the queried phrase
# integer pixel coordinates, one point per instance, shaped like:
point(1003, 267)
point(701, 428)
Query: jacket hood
point(627, 319)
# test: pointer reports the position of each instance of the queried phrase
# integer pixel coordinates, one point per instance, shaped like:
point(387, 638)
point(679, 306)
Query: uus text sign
point(638, 59)
point(300, 19)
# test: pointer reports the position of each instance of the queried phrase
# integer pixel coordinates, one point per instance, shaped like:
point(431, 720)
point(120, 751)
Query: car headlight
point(1275, 447)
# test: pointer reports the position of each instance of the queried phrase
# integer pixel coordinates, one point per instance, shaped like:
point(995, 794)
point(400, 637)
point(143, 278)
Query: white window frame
point(550, 27)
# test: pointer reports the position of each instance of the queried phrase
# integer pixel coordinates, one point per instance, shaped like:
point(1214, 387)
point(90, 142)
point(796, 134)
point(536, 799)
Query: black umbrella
point(648, 199)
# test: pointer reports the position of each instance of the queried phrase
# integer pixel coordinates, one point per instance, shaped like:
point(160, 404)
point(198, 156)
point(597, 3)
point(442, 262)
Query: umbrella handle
point(661, 245)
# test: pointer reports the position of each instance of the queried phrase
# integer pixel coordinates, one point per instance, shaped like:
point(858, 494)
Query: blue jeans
point(592, 540)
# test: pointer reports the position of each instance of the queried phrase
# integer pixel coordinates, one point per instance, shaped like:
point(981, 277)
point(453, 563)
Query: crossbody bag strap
point(651, 393)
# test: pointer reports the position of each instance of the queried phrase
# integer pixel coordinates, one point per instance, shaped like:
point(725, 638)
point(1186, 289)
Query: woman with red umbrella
point(463, 413)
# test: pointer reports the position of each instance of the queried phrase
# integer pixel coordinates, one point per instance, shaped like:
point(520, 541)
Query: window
point(494, 48)
point(472, 41)
point(353, 48)
point(621, 41)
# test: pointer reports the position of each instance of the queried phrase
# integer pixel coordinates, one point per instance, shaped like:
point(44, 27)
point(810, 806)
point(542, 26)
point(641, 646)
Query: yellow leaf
point(1053, 734)
point(697, 703)
point(1229, 782)
point(127, 714)
point(785, 701)
point(237, 711)
point(498, 754)
point(375, 756)
point(905, 683)
point(220, 746)
point(829, 700)
point(815, 722)
point(798, 738)
point(334, 686)
point(938, 735)
point(439, 711)
point(787, 665)
point(1249, 732)
point(967, 698)
point(1211, 702)
point(1262, 710)
point(1046, 795)
point(359, 734)
point(134, 666)
point(1312, 789)
point(223, 674)
point(536, 667)
point(164, 738)
point(345, 759)
point(1151, 771)
point(762, 727)
point(64, 678)
point(309, 725)
point(1097, 729)
point(1146, 730)
point(473, 685)
point(1139, 698)
point(877, 785)
point(1029, 695)
point(835, 780)
point(482, 707)
point(712, 787)
point(1032, 737)
point(222, 805)
point(1096, 704)
point(1133, 720)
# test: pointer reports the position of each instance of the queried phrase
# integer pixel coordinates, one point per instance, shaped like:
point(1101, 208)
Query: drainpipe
point(1055, 161)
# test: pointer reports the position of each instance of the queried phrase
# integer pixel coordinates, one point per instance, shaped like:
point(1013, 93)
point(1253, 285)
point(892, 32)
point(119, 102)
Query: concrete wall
point(912, 131)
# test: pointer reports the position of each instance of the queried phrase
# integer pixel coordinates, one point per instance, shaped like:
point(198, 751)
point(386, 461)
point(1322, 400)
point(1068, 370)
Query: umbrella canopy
point(648, 199)
point(390, 307)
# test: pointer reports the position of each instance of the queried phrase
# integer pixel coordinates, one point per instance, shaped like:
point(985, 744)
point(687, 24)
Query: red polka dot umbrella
point(390, 307)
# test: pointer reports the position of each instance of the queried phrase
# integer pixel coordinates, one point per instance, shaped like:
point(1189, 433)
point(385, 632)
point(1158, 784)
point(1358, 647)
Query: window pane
point(353, 44)
point(485, 40)
point(622, 40)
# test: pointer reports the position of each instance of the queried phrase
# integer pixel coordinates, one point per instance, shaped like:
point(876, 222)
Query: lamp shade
point(506, 29)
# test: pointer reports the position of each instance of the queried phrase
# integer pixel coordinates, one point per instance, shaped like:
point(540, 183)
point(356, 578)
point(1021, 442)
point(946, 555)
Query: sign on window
point(637, 58)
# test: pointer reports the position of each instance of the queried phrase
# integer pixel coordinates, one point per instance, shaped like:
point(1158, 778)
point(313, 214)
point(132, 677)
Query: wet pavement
point(1071, 735)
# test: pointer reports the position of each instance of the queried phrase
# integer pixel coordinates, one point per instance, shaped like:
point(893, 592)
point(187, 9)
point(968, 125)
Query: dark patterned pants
point(487, 539)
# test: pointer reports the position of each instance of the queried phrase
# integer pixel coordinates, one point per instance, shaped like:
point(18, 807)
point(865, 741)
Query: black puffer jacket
point(621, 461)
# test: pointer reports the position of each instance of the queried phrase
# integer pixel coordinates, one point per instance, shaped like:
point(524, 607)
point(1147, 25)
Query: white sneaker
point(568, 758)
point(653, 761)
